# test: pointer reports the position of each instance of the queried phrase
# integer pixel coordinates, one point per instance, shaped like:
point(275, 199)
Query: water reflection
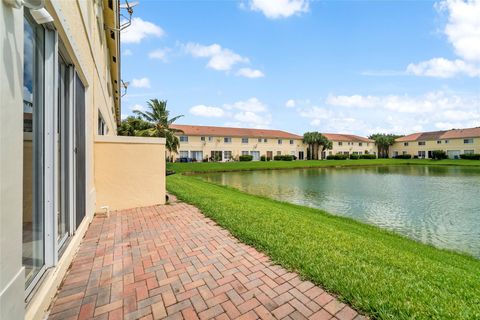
point(435, 205)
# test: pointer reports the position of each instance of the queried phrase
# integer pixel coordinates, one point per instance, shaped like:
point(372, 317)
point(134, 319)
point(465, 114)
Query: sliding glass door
point(33, 151)
point(54, 187)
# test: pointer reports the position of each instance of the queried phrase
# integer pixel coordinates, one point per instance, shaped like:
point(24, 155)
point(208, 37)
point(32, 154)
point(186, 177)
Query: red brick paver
point(172, 262)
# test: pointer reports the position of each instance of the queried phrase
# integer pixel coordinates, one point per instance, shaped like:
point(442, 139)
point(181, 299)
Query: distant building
point(349, 144)
point(224, 144)
point(454, 142)
point(210, 143)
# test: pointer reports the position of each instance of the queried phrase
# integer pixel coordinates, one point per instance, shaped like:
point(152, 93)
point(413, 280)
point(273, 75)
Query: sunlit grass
point(380, 273)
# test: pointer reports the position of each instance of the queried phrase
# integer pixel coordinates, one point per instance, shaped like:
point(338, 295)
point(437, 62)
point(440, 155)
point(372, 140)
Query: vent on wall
point(110, 4)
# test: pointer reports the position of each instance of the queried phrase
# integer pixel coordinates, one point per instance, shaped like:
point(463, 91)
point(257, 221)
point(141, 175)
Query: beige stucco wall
point(352, 146)
point(129, 172)
point(453, 144)
point(12, 278)
point(236, 146)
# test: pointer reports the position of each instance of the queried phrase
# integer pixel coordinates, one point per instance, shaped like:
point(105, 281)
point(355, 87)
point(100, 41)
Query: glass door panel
point(33, 152)
point(62, 153)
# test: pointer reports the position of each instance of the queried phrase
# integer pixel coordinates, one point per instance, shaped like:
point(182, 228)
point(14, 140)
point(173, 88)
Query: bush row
point(403, 156)
point(265, 158)
point(284, 158)
point(470, 156)
point(351, 157)
point(245, 157)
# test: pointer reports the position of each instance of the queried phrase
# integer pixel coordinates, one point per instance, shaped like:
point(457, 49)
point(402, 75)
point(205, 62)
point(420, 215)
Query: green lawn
point(380, 273)
point(261, 165)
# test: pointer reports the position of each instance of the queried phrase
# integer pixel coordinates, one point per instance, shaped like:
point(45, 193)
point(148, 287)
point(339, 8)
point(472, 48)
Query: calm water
point(436, 205)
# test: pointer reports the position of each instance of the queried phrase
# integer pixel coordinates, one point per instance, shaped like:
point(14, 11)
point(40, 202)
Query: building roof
point(440, 135)
point(234, 132)
point(346, 137)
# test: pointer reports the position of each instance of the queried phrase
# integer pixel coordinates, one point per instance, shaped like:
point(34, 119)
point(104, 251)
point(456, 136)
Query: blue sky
point(331, 66)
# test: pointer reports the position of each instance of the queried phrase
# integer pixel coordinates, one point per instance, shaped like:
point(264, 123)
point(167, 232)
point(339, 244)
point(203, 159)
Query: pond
point(432, 204)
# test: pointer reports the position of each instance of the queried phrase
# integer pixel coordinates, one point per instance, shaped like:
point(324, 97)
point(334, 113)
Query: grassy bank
point(383, 274)
point(271, 165)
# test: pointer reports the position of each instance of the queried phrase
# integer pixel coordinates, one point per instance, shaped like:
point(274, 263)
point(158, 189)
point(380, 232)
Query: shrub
point(470, 156)
point(263, 158)
point(354, 156)
point(439, 155)
point(245, 157)
point(405, 156)
point(283, 158)
point(337, 157)
point(368, 156)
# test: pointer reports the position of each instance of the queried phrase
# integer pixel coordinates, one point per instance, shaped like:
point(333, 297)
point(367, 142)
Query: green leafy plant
point(245, 157)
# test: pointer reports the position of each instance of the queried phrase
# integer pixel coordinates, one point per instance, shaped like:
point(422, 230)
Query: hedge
point(283, 158)
point(470, 156)
point(403, 156)
point(245, 157)
point(439, 155)
point(337, 157)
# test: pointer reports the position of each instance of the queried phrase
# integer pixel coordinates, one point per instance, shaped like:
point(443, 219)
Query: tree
point(157, 118)
point(315, 140)
point(132, 125)
point(383, 142)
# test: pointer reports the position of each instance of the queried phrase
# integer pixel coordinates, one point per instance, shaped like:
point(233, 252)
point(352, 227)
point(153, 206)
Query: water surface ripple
point(435, 205)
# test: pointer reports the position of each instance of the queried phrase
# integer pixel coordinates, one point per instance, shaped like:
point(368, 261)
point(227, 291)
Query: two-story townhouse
point(349, 144)
point(199, 143)
point(454, 142)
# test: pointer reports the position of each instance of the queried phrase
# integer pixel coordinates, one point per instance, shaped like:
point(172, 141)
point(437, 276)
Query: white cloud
point(207, 111)
point(290, 103)
point(248, 113)
point(160, 54)
point(275, 9)
point(140, 83)
point(250, 73)
point(221, 59)
point(463, 27)
point(401, 114)
point(429, 102)
point(139, 30)
point(138, 107)
point(463, 33)
point(253, 119)
point(252, 105)
point(443, 68)
point(127, 52)
point(352, 101)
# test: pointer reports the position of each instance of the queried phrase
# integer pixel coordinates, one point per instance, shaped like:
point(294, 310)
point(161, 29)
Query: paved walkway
point(172, 262)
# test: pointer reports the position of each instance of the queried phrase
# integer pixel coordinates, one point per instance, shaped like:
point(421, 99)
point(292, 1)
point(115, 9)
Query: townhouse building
point(349, 144)
point(200, 143)
point(454, 142)
point(211, 143)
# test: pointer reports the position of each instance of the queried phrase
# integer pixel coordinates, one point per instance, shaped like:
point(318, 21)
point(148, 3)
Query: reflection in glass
point(33, 224)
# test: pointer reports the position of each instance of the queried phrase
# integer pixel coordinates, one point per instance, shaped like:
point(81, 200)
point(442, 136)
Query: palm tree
point(132, 125)
point(383, 142)
point(309, 139)
point(315, 140)
point(158, 117)
point(324, 143)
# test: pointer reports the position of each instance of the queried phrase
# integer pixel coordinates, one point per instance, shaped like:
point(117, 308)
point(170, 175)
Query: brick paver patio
point(172, 262)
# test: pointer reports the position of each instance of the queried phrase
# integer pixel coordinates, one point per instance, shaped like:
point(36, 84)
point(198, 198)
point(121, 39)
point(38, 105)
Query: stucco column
point(12, 278)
